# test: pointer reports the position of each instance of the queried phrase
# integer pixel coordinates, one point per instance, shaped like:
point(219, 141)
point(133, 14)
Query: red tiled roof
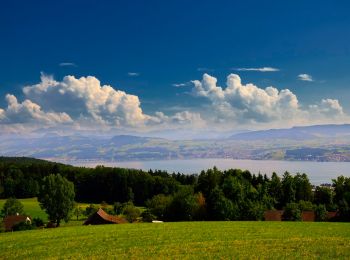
point(110, 218)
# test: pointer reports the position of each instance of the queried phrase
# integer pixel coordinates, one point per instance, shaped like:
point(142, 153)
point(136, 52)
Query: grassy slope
point(31, 208)
point(183, 240)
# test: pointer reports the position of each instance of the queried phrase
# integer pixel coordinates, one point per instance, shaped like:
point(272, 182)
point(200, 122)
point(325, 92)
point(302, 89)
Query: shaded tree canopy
point(213, 194)
point(12, 206)
point(56, 197)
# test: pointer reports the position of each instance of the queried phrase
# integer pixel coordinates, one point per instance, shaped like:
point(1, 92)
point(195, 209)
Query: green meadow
point(32, 208)
point(177, 240)
point(182, 240)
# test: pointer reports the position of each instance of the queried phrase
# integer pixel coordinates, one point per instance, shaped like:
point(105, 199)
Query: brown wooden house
point(101, 217)
point(12, 220)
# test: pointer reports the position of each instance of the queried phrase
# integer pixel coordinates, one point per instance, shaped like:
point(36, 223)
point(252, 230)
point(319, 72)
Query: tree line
point(210, 195)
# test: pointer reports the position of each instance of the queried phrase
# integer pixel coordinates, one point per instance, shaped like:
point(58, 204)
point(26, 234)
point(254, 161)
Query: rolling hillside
point(182, 240)
point(316, 143)
point(296, 133)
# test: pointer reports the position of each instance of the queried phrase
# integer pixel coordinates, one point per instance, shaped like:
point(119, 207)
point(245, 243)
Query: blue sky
point(144, 48)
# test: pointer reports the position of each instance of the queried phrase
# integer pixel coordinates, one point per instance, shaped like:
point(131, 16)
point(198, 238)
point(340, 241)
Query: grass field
point(32, 208)
point(183, 240)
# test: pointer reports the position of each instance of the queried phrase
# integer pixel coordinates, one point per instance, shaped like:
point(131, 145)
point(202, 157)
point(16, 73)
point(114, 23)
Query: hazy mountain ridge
point(315, 143)
point(300, 133)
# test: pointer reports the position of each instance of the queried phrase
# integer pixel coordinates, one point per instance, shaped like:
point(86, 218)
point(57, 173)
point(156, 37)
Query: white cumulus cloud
point(85, 103)
point(29, 112)
point(305, 77)
point(247, 103)
point(85, 98)
point(330, 107)
point(2, 114)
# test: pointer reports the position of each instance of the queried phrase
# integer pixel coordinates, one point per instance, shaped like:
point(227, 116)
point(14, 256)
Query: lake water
point(318, 172)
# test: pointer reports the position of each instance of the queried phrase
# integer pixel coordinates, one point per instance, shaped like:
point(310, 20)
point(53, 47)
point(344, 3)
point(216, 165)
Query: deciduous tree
point(56, 197)
point(12, 206)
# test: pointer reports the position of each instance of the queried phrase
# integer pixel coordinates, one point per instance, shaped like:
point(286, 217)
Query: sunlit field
point(32, 208)
point(183, 240)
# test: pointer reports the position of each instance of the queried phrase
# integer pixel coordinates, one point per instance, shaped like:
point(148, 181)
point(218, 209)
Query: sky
point(146, 66)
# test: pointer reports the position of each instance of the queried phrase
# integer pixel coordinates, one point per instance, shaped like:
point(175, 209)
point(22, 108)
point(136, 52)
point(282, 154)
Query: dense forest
point(210, 195)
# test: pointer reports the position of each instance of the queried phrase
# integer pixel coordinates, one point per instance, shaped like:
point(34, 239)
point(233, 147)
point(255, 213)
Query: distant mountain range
point(296, 133)
point(316, 143)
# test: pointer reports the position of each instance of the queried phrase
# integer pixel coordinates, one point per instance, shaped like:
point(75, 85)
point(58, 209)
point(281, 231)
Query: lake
point(318, 172)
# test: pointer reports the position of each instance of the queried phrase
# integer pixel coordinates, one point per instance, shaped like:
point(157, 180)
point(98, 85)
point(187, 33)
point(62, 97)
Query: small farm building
point(12, 220)
point(101, 217)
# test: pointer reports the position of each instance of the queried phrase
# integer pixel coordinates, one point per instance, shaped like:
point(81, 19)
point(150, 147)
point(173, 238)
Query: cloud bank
point(249, 104)
point(85, 99)
point(85, 103)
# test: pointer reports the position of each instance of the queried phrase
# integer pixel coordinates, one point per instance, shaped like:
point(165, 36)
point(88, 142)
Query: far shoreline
point(318, 172)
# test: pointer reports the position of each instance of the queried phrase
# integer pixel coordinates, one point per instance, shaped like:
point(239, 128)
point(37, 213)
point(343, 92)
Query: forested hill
point(24, 160)
point(20, 177)
point(211, 195)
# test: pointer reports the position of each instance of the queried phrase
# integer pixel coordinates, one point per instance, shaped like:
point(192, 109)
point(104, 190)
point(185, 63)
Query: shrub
point(131, 212)
point(104, 205)
point(320, 213)
point(147, 216)
point(306, 205)
point(89, 210)
point(22, 226)
point(159, 205)
point(77, 211)
point(37, 222)
point(184, 205)
point(292, 212)
point(109, 211)
point(118, 208)
point(50, 224)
